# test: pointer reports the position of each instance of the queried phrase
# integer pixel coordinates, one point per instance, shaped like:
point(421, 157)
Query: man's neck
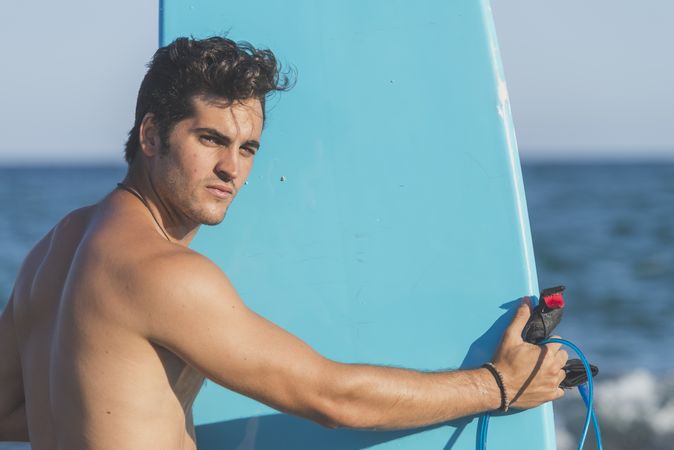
point(169, 221)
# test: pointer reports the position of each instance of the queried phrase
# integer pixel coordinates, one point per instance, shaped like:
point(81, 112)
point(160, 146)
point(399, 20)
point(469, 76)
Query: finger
point(562, 357)
point(560, 393)
point(554, 346)
point(561, 377)
point(514, 330)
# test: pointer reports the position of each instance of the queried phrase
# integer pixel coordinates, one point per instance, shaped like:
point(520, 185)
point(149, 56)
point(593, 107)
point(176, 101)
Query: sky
point(587, 79)
point(590, 79)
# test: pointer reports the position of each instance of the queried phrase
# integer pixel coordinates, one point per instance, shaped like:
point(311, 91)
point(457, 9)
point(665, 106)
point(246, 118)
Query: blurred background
point(591, 92)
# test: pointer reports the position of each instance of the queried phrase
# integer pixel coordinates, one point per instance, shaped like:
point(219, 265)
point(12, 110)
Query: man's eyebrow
point(225, 139)
point(214, 132)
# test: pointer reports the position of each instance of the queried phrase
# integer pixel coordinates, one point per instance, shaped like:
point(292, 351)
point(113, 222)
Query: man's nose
point(227, 167)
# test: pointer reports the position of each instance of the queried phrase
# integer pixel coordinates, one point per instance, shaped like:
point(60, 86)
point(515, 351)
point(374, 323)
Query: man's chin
point(212, 222)
point(212, 219)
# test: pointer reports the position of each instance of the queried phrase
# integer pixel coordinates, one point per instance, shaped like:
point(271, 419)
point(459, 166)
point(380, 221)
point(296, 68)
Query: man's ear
point(150, 142)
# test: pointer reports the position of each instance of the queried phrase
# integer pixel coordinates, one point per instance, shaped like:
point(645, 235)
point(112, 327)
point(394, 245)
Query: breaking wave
point(635, 412)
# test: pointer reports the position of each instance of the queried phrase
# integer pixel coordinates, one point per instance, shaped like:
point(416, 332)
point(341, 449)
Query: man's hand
point(531, 373)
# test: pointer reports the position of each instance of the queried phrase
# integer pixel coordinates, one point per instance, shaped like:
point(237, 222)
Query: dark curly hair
point(190, 67)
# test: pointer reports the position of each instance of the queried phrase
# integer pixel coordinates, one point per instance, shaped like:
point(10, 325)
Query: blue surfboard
point(385, 220)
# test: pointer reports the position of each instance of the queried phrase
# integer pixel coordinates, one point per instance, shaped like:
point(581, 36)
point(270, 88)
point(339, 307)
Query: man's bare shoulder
point(176, 281)
point(173, 266)
point(184, 267)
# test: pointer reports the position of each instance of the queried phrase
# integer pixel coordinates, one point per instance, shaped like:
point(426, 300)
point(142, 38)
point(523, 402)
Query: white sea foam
point(637, 397)
point(638, 403)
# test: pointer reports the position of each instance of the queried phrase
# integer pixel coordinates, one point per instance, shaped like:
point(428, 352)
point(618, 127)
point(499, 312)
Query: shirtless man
point(113, 322)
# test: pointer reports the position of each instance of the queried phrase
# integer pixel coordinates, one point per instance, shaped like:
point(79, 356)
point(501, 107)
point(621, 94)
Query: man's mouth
point(221, 190)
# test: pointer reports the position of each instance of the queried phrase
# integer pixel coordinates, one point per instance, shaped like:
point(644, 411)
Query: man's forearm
point(374, 397)
point(362, 396)
point(14, 426)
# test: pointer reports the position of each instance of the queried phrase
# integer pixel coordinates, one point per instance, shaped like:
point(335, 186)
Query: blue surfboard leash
point(545, 317)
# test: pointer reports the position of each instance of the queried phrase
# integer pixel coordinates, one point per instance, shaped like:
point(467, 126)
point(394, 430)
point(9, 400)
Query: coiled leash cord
point(586, 392)
point(545, 317)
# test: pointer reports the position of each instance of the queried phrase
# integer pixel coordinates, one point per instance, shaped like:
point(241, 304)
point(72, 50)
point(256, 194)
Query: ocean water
point(605, 231)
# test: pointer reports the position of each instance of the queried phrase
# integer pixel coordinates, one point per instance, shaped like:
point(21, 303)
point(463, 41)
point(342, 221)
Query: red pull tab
point(554, 301)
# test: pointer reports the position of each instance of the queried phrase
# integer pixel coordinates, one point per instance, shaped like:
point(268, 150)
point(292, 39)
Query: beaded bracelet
point(505, 403)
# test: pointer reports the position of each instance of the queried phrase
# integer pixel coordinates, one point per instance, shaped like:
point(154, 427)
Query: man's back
point(91, 379)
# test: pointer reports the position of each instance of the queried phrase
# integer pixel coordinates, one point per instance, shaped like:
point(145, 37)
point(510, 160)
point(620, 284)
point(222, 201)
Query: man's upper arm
point(12, 424)
point(195, 312)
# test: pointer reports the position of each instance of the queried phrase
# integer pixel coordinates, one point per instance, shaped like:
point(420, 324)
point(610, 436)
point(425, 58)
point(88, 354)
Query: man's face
point(208, 159)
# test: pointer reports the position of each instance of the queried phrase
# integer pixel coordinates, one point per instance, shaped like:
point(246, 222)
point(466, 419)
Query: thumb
point(514, 330)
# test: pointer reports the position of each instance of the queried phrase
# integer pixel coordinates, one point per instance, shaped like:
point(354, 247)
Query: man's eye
point(248, 151)
point(208, 139)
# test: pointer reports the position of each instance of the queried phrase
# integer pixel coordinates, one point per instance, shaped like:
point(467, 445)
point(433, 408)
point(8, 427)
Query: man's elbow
point(333, 415)
point(335, 401)
point(345, 412)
